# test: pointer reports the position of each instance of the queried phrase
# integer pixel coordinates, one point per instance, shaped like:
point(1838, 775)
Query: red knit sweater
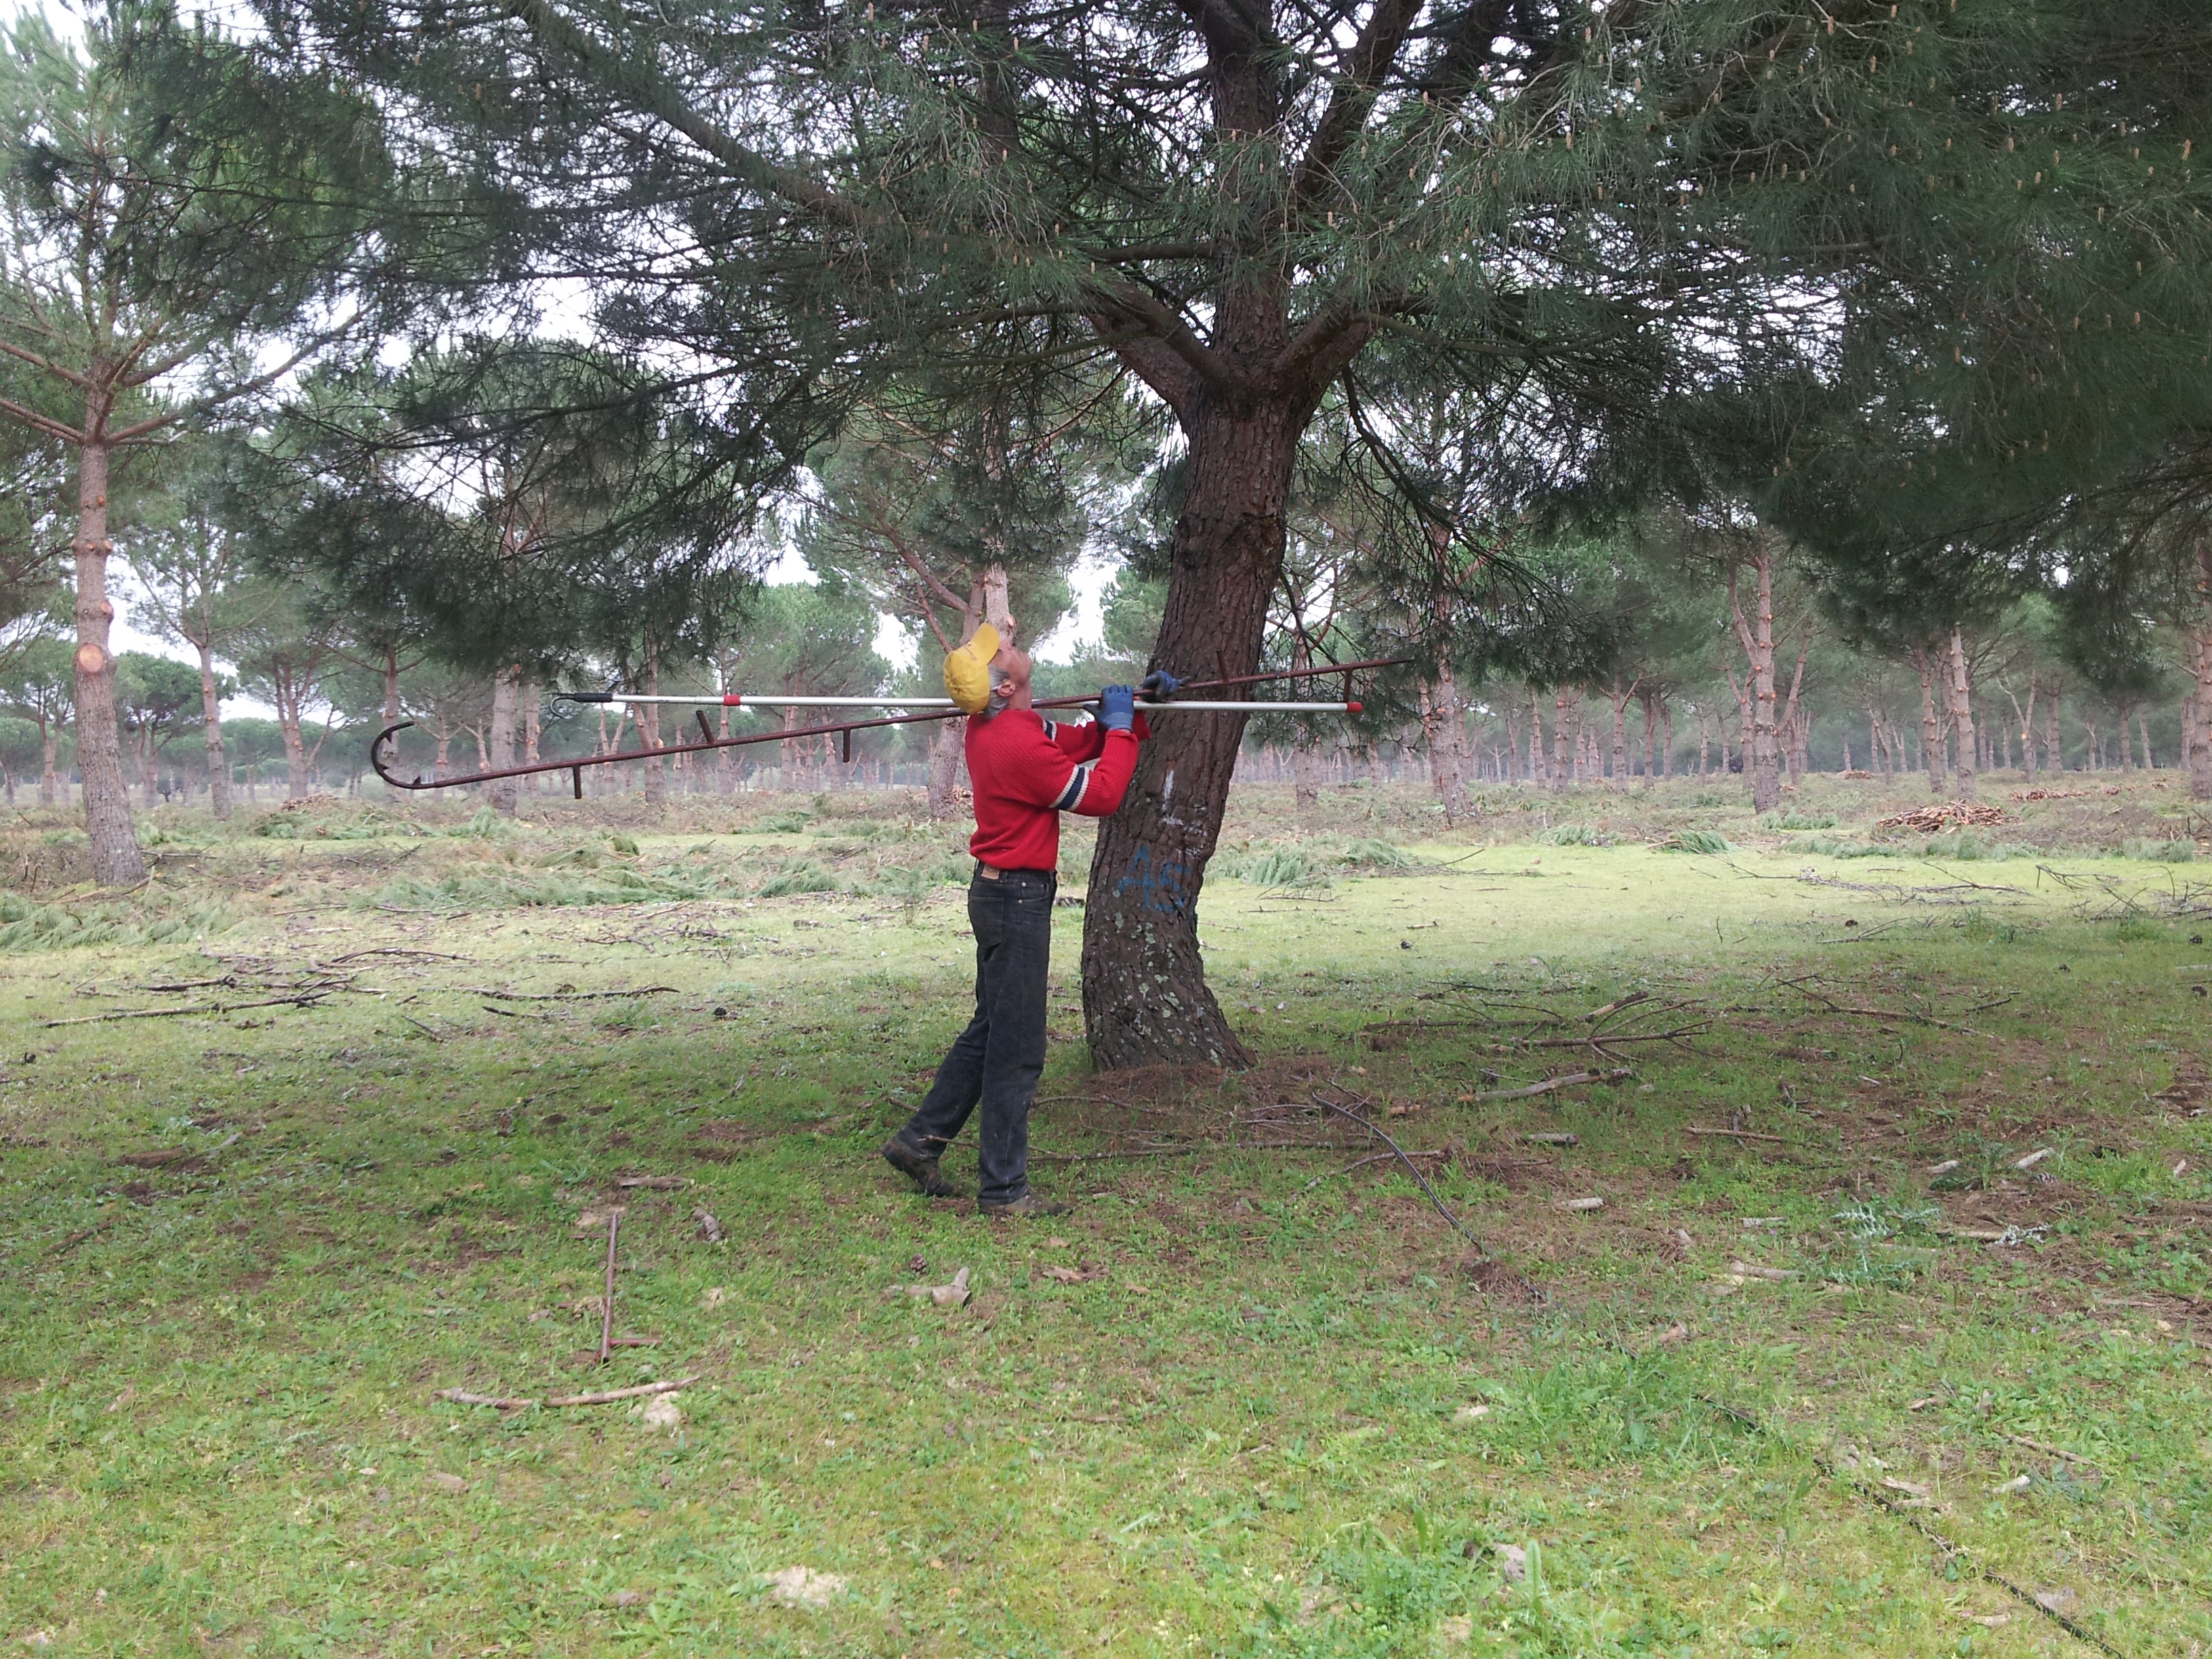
point(1027, 770)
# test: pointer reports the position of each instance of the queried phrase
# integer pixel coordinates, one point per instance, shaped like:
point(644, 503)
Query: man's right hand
point(1117, 707)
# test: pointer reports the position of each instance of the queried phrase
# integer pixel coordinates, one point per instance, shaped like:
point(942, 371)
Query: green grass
point(1282, 1413)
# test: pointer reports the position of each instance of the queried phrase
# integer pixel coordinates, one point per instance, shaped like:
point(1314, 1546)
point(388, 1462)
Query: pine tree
point(168, 204)
point(1564, 207)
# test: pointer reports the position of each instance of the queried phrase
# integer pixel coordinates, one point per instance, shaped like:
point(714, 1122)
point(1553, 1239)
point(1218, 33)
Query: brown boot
point(921, 1169)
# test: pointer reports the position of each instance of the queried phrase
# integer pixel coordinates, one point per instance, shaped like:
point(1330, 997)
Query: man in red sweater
point(1026, 771)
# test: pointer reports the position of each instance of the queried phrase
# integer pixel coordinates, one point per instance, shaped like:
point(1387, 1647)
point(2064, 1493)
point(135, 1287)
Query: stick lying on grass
point(606, 1397)
point(308, 999)
point(1572, 1079)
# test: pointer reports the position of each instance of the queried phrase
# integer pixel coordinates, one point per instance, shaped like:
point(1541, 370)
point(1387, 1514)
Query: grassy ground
point(1250, 1398)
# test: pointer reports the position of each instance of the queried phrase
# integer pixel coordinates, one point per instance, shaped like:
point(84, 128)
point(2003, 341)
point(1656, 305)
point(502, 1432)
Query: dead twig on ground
point(62, 1247)
point(2048, 1450)
point(1906, 1015)
point(1732, 1134)
point(1571, 1081)
point(565, 996)
point(607, 1318)
point(307, 999)
point(1481, 1249)
point(605, 1397)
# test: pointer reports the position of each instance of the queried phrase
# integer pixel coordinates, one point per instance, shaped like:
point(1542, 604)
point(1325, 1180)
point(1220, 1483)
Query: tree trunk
point(648, 728)
point(1565, 761)
point(295, 749)
point(1536, 753)
point(49, 741)
point(1447, 763)
point(2143, 729)
point(1755, 635)
point(116, 859)
point(1144, 996)
point(1305, 759)
point(947, 745)
point(1621, 733)
point(391, 684)
point(530, 728)
point(1962, 714)
point(1931, 735)
point(1790, 722)
point(506, 705)
point(218, 764)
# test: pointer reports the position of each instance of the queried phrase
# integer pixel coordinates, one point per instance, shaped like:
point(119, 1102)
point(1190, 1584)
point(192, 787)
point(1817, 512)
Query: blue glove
point(1158, 685)
point(1117, 707)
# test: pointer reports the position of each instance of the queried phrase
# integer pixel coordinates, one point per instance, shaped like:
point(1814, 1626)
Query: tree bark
point(1755, 635)
point(1790, 722)
point(116, 859)
point(530, 717)
point(648, 728)
point(218, 764)
point(1441, 720)
point(1962, 714)
point(1565, 761)
point(2200, 636)
point(1620, 732)
point(1144, 996)
point(296, 748)
point(506, 705)
point(1305, 760)
point(1931, 735)
point(49, 742)
point(947, 748)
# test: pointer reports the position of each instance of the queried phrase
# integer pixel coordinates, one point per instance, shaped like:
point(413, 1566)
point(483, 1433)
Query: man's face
point(1010, 672)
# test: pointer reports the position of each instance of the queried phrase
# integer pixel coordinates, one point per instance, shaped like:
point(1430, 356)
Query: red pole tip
point(1351, 708)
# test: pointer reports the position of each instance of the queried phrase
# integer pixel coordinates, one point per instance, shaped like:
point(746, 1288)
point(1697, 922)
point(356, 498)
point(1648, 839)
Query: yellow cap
point(968, 671)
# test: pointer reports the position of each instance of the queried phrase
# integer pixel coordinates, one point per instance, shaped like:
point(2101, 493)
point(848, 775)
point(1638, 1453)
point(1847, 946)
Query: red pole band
point(730, 700)
point(1351, 708)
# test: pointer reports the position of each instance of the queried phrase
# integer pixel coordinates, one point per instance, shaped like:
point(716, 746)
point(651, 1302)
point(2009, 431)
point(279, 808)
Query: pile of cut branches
point(1934, 820)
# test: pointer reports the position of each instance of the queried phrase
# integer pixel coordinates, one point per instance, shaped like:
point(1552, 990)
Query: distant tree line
point(1700, 385)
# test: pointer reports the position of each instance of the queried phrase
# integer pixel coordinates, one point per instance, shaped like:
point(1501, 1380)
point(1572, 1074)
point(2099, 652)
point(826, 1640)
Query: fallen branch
point(609, 1396)
point(303, 1000)
point(1604, 1040)
point(1572, 1079)
point(1733, 1134)
point(1412, 1168)
point(2074, 1458)
point(1835, 1007)
point(395, 951)
point(607, 1318)
point(523, 1402)
point(565, 996)
point(1380, 1158)
point(63, 1246)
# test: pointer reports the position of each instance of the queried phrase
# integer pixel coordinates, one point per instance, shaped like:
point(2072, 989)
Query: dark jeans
point(996, 1062)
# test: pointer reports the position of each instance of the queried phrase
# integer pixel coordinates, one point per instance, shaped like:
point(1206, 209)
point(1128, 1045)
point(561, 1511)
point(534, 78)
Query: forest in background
point(1718, 387)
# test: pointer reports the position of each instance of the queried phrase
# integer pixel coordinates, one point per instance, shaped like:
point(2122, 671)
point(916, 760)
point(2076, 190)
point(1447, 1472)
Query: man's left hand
point(1117, 707)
